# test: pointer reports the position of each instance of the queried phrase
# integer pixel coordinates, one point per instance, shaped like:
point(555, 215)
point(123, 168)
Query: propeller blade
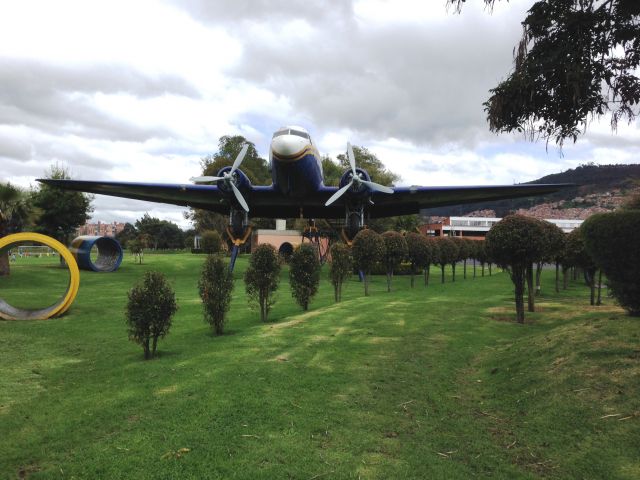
point(205, 179)
point(376, 186)
point(338, 194)
point(239, 197)
point(352, 158)
point(239, 159)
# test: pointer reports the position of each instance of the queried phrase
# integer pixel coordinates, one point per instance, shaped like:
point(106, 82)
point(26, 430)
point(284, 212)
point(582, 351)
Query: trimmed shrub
point(340, 268)
point(262, 278)
point(447, 253)
point(151, 305)
point(215, 286)
point(368, 249)
point(211, 242)
point(304, 274)
point(395, 251)
point(610, 238)
point(514, 243)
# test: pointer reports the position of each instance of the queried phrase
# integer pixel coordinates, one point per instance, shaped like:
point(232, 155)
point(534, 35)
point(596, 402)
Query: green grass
point(423, 383)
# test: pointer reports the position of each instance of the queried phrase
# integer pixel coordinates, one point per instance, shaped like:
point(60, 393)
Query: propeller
point(355, 179)
point(227, 177)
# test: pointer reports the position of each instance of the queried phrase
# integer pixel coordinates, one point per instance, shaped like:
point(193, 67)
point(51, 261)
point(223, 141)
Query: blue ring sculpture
point(109, 253)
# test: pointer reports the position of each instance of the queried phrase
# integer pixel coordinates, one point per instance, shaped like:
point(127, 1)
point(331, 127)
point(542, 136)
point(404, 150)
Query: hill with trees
point(599, 188)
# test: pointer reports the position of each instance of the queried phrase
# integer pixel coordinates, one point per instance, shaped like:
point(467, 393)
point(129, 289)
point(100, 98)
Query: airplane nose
point(288, 147)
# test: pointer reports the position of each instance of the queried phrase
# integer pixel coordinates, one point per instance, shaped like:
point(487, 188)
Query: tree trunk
point(520, 304)
point(366, 284)
point(145, 346)
point(557, 277)
point(482, 264)
point(155, 344)
point(489, 268)
point(530, 288)
point(599, 300)
point(453, 267)
point(474, 268)
point(427, 274)
point(592, 287)
point(464, 271)
point(5, 268)
point(442, 268)
point(389, 273)
point(538, 275)
point(565, 278)
point(413, 274)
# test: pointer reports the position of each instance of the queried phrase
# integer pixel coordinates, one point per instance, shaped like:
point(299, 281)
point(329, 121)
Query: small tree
point(553, 249)
point(340, 267)
point(612, 240)
point(215, 287)
point(211, 242)
point(447, 253)
point(481, 255)
point(151, 305)
point(464, 251)
point(576, 255)
point(417, 252)
point(395, 251)
point(304, 274)
point(513, 244)
point(262, 278)
point(368, 249)
point(432, 257)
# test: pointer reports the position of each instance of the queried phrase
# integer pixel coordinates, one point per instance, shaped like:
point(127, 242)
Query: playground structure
point(9, 312)
point(109, 253)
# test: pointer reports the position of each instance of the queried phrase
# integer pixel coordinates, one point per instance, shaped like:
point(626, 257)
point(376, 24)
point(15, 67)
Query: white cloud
point(140, 91)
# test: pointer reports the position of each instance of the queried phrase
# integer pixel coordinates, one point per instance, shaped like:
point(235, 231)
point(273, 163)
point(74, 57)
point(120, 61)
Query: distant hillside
point(590, 180)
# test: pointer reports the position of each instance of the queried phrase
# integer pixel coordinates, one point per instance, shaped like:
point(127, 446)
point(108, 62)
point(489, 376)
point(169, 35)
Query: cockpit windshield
point(298, 133)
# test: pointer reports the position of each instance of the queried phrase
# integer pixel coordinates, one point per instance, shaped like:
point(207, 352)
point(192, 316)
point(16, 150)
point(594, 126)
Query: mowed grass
point(423, 383)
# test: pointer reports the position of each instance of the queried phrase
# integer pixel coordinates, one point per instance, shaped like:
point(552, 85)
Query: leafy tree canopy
point(576, 59)
point(61, 212)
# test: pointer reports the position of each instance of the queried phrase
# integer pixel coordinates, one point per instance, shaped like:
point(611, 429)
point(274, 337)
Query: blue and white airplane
point(298, 189)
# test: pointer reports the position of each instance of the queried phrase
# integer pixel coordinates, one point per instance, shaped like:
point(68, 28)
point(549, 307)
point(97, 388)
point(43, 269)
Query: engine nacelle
point(357, 188)
point(240, 179)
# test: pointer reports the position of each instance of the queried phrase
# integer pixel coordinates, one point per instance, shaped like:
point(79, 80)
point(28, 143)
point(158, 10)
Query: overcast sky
point(141, 90)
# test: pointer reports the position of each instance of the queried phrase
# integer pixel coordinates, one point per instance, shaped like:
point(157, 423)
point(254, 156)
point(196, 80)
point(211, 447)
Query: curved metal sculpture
point(9, 312)
point(109, 253)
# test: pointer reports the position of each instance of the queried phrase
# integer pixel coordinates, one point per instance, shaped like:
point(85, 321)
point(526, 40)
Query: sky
point(141, 91)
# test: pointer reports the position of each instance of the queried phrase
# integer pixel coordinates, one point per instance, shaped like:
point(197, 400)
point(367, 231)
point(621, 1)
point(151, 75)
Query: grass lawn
point(431, 383)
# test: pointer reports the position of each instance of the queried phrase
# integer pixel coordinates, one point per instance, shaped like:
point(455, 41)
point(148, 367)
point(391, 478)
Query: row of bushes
point(152, 304)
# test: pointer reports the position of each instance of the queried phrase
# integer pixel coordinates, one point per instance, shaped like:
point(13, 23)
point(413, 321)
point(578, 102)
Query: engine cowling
point(240, 179)
point(357, 188)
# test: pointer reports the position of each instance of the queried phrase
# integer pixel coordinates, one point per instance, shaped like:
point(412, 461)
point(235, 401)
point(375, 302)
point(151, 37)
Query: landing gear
point(353, 223)
point(238, 231)
point(320, 238)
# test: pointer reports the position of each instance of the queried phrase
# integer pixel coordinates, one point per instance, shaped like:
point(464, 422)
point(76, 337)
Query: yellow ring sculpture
point(9, 312)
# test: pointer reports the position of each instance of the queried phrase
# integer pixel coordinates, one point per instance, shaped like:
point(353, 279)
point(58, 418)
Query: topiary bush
point(395, 251)
point(340, 268)
point(514, 243)
point(368, 249)
point(612, 240)
point(149, 309)
point(211, 242)
point(304, 274)
point(215, 286)
point(262, 278)
point(447, 253)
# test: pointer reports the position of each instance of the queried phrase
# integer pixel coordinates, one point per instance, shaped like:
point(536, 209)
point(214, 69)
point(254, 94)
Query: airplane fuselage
point(296, 166)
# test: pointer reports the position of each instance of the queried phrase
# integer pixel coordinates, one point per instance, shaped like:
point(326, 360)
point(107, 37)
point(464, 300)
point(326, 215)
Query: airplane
point(298, 190)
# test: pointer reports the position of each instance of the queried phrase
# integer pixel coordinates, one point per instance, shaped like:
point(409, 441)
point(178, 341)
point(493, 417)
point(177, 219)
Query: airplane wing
point(266, 202)
point(408, 200)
